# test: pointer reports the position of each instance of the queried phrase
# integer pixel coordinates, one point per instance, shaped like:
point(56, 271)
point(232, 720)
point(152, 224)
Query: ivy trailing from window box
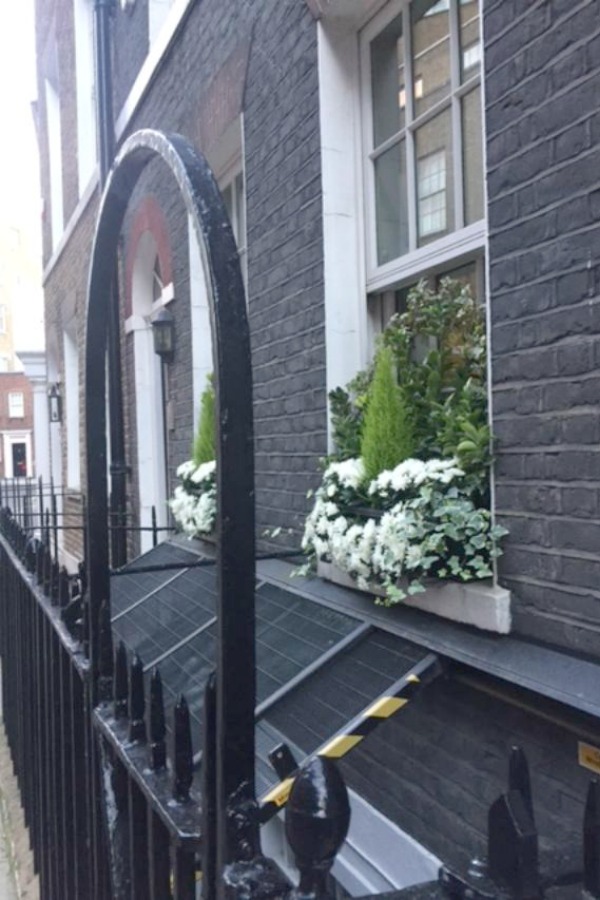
point(395, 516)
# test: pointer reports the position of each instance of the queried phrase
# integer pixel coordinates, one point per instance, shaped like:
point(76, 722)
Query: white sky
point(20, 203)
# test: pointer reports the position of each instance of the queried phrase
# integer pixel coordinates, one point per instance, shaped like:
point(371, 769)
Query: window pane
point(430, 52)
point(387, 82)
point(472, 156)
point(435, 191)
point(467, 275)
point(391, 203)
point(470, 42)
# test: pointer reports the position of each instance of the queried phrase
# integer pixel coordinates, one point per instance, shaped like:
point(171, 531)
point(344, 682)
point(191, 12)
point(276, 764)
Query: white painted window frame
point(87, 151)
point(71, 407)
point(463, 241)
point(57, 222)
point(16, 405)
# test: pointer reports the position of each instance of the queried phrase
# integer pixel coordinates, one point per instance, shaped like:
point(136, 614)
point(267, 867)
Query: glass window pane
point(470, 41)
point(391, 203)
point(472, 156)
point(435, 190)
point(467, 275)
point(430, 53)
point(388, 82)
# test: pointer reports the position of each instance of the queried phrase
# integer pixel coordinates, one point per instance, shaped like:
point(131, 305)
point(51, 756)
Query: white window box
point(478, 603)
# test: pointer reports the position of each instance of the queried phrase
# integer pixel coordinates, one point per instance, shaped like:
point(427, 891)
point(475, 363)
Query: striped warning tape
point(358, 728)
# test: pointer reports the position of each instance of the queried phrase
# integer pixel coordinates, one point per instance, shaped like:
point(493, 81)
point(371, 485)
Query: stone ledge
point(478, 603)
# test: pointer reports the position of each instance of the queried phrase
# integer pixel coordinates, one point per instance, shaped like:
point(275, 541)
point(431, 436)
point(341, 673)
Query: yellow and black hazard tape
point(356, 731)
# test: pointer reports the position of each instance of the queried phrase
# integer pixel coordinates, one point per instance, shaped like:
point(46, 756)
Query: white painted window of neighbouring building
point(55, 163)
point(158, 11)
point(83, 12)
point(71, 408)
point(16, 405)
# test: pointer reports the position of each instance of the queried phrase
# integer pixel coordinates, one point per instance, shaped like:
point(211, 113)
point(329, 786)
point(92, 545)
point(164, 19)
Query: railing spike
point(121, 683)
point(316, 823)
point(183, 763)
point(158, 730)
point(84, 626)
point(39, 562)
point(591, 840)
point(513, 847)
point(105, 654)
point(137, 703)
point(518, 777)
point(64, 586)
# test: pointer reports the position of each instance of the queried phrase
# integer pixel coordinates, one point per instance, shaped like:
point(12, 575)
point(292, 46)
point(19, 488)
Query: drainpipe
point(106, 152)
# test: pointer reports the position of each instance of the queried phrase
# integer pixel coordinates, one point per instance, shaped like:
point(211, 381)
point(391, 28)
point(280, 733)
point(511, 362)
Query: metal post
point(106, 153)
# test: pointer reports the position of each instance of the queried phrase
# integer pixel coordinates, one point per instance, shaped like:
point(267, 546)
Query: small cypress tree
point(388, 436)
point(205, 440)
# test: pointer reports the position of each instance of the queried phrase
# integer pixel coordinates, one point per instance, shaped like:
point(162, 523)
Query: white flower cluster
point(194, 501)
point(426, 525)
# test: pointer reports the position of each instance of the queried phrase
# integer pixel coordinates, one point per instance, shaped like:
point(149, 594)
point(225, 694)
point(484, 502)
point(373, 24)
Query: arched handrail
point(235, 457)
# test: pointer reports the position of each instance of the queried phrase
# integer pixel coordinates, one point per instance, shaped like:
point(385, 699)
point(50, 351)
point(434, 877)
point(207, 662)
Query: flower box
point(479, 603)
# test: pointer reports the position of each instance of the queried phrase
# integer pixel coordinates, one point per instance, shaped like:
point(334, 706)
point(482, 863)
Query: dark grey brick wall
point(542, 122)
point(210, 77)
point(285, 280)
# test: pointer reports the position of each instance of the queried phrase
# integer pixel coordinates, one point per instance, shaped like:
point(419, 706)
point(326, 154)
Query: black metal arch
point(235, 459)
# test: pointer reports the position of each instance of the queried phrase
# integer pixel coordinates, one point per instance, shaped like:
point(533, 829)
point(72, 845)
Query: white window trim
point(55, 162)
point(19, 403)
point(16, 437)
point(158, 51)
point(462, 241)
point(85, 89)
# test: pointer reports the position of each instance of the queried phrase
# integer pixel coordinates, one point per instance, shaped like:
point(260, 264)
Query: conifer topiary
point(388, 436)
point(205, 441)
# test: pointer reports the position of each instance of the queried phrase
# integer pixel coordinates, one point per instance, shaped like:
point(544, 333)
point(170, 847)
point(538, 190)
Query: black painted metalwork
point(158, 729)
point(591, 840)
point(316, 824)
point(235, 470)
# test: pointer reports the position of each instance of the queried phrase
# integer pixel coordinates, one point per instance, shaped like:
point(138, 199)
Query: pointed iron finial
point(158, 730)
point(39, 562)
point(64, 585)
point(84, 628)
point(121, 682)
point(513, 846)
point(54, 582)
point(105, 654)
point(316, 823)
point(591, 840)
point(183, 764)
point(518, 777)
point(137, 704)
point(82, 578)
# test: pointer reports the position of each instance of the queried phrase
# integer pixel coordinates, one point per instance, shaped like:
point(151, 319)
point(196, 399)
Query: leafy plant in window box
point(413, 503)
point(194, 501)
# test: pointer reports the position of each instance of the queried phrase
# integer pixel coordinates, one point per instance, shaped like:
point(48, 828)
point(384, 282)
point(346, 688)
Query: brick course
point(542, 77)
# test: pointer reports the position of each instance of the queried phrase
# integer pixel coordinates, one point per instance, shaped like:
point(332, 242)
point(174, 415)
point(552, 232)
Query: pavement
point(17, 877)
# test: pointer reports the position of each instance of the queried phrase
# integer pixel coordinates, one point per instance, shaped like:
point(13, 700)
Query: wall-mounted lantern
point(163, 333)
point(54, 403)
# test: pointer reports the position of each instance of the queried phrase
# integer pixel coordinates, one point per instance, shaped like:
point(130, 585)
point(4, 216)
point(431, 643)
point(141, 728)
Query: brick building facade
point(289, 101)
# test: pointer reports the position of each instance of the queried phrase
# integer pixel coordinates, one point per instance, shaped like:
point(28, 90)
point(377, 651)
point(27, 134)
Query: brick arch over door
point(148, 219)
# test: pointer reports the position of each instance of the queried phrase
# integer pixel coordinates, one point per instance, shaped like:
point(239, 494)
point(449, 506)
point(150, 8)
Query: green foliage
point(347, 415)
point(204, 448)
point(439, 353)
point(387, 435)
